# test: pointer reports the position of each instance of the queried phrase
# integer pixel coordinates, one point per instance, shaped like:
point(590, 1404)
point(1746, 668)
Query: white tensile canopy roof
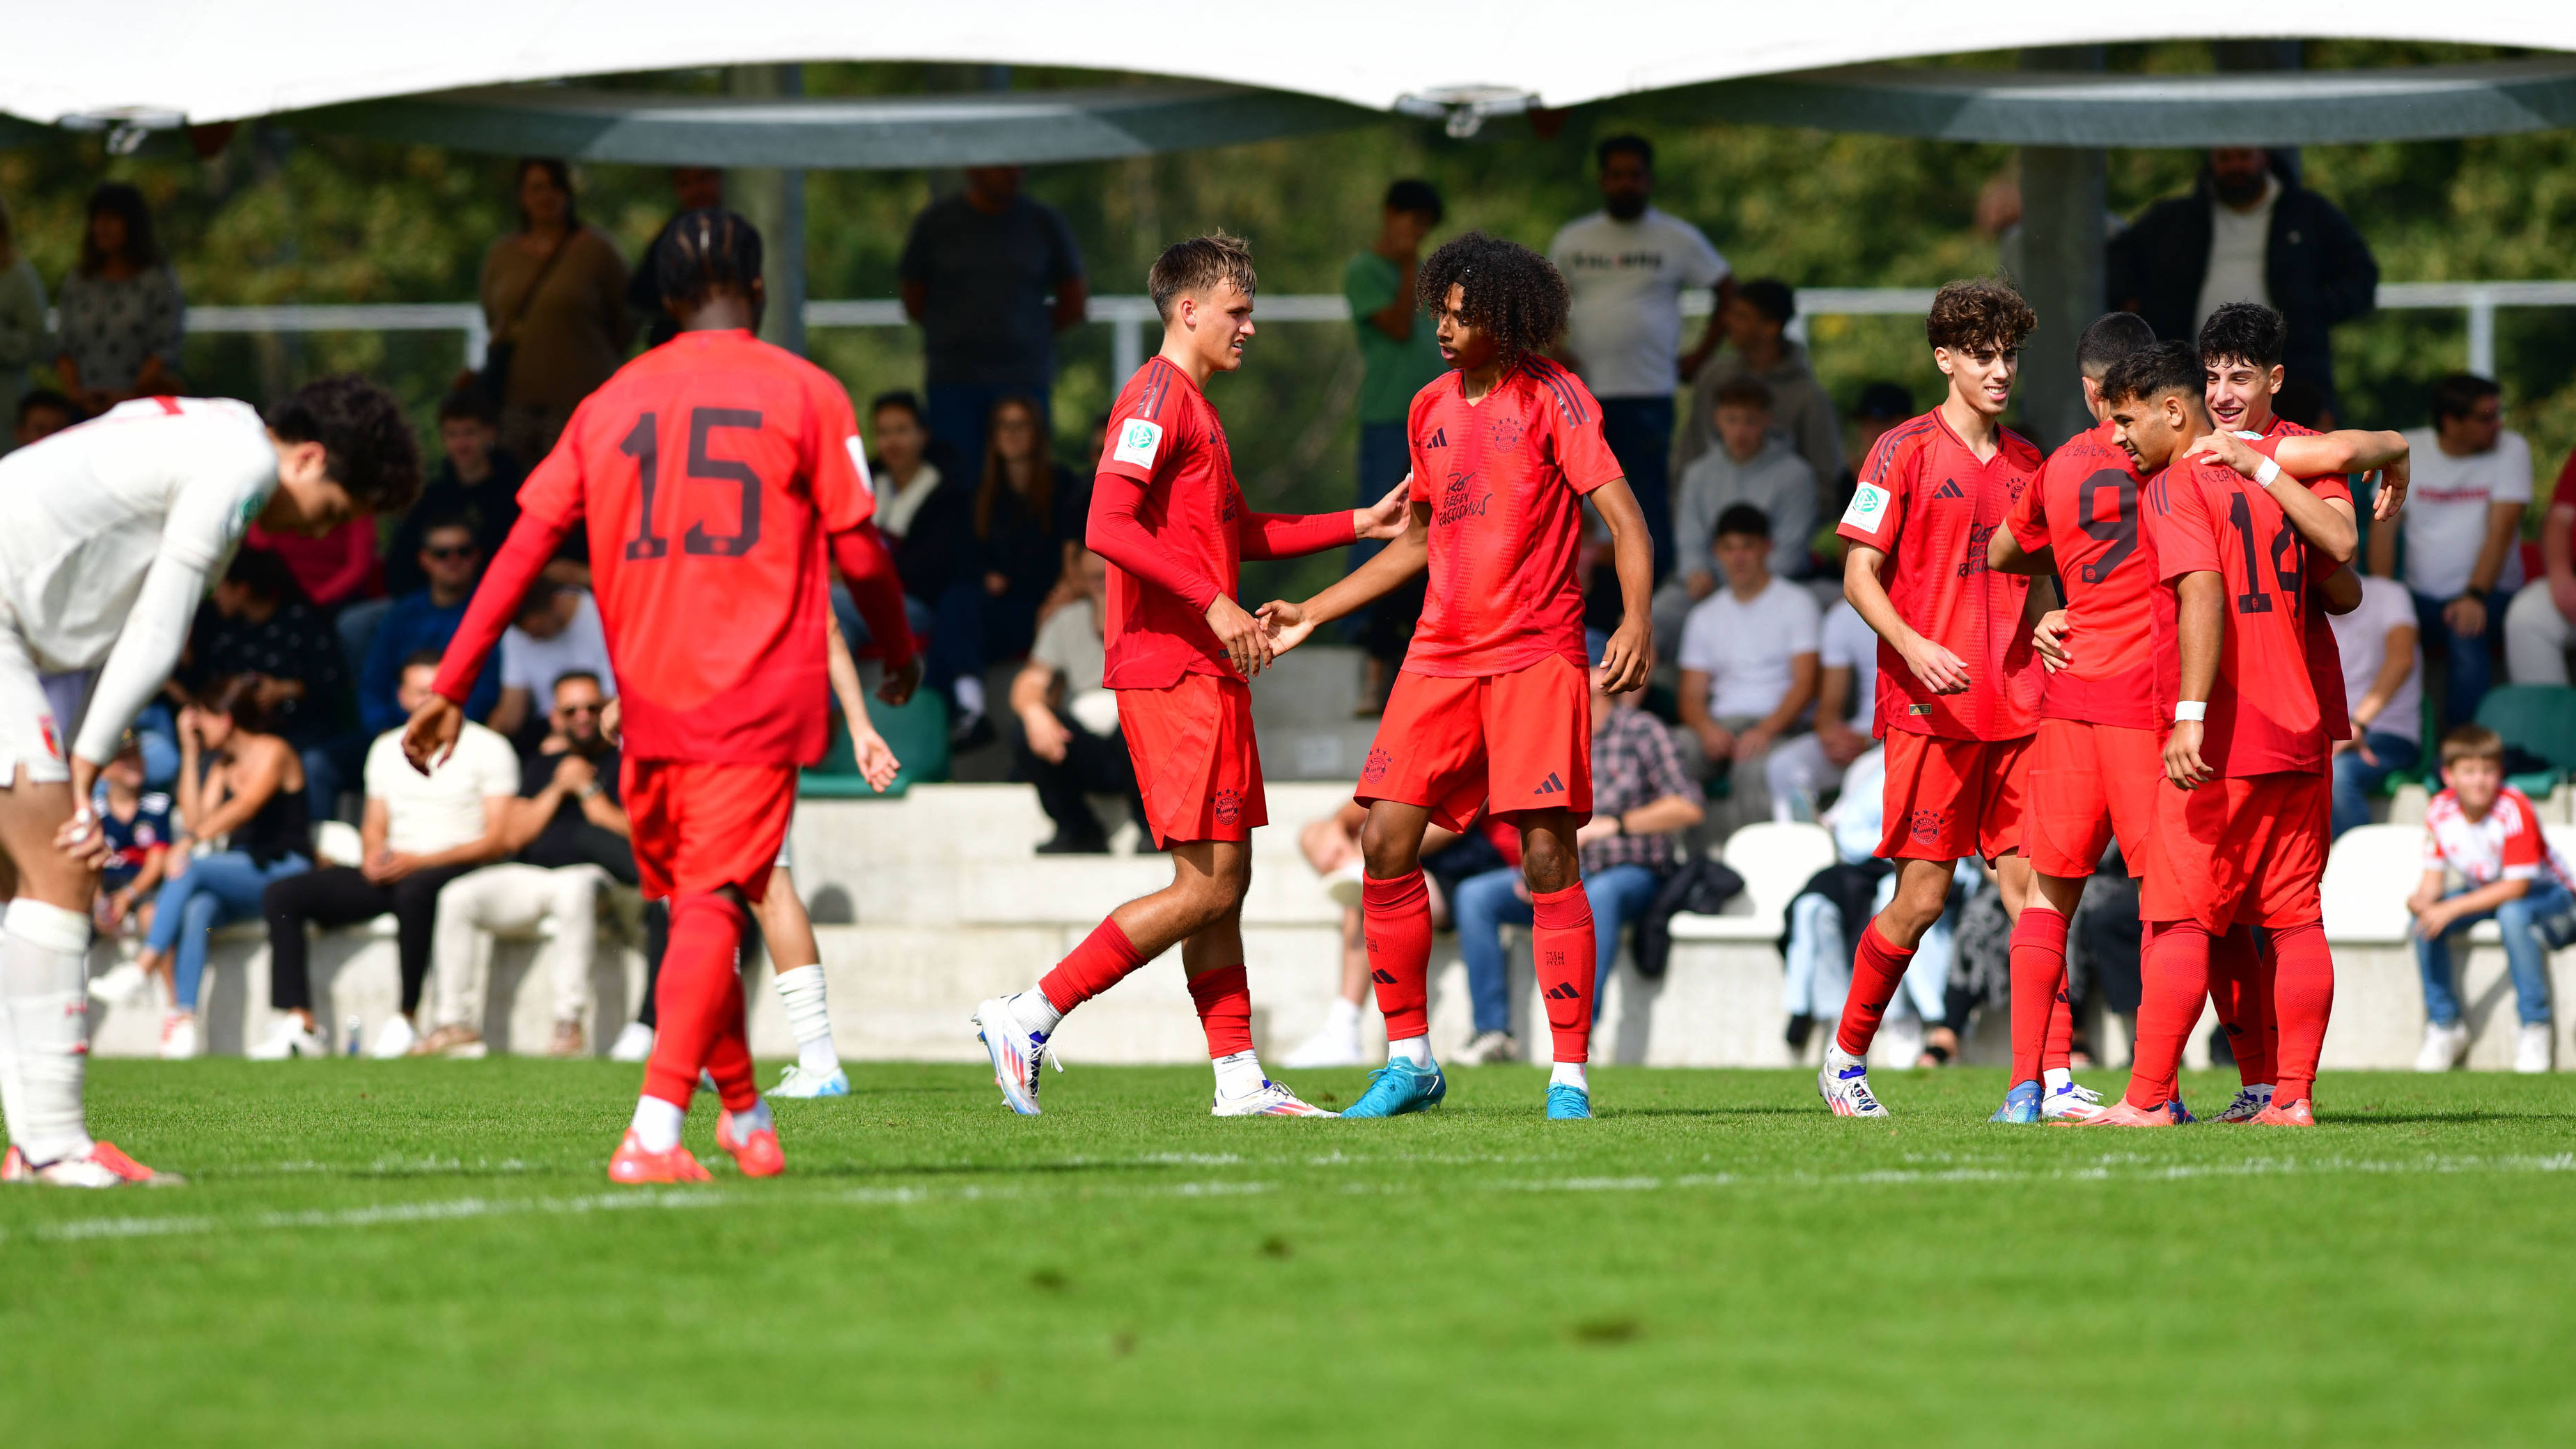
point(203, 61)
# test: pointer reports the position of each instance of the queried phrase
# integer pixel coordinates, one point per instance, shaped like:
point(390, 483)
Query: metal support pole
point(774, 201)
point(2062, 202)
point(1126, 345)
point(2482, 318)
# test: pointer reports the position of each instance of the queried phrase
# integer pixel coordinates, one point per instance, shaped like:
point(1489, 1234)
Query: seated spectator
point(905, 473)
point(2540, 626)
point(2487, 831)
point(477, 481)
point(1748, 658)
point(256, 623)
point(241, 788)
point(570, 840)
point(419, 833)
point(1641, 799)
point(41, 413)
point(1069, 744)
point(1332, 846)
point(136, 822)
point(1019, 533)
point(452, 560)
point(1758, 347)
point(1751, 465)
point(557, 633)
point(2472, 481)
point(2383, 682)
point(1804, 767)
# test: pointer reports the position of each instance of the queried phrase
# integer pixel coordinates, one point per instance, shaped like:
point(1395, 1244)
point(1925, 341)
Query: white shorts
point(37, 714)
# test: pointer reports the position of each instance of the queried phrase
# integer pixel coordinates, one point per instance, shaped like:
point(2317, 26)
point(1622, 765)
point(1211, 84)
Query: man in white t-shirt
point(109, 535)
point(2472, 481)
point(557, 633)
point(2383, 681)
point(1805, 766)
point(1626, 267)
point(1748, 662)
point(420, 831)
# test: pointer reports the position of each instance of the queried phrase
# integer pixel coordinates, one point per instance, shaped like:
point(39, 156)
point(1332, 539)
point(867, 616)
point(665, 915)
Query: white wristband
point(2269, 471)
point(2191, 709)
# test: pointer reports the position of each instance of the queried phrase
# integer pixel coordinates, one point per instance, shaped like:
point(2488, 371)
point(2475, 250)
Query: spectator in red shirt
point(2540, 625)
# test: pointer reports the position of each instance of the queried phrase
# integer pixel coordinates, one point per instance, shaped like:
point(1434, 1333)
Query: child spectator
point(137, 825)
point(2488, 832)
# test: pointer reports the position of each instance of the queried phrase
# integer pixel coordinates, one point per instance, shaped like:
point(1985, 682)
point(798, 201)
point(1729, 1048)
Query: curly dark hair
point(1506, 289)
point(2151, 372)
point(2244, 332)
point(704, 252)
point(367, 444)
point(1979, 312)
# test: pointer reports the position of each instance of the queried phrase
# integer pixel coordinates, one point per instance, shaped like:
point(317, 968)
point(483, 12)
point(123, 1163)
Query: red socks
point(1397, 917)
point(700, 1000)
point(2176, 985)
point(1563, 945)
point(1224, 1000)
point(1104, 959)
point(2038, 989)
point(2059, 1054)
point(1878, 967)
point(2303, 998)
point(2240, 988)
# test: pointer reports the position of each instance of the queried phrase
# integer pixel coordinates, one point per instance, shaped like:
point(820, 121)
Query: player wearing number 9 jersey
point(710, 473)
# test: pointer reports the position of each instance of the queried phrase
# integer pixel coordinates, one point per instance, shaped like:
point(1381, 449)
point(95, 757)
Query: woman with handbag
point(554, 296)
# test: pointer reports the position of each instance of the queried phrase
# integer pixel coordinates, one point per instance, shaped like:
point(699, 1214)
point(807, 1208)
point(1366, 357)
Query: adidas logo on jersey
point(1950, 489)
point(1439, 439)
point(1551, 785)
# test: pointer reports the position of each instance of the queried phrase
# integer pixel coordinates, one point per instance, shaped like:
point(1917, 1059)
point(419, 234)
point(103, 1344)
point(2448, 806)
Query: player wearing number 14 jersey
point(710, 474)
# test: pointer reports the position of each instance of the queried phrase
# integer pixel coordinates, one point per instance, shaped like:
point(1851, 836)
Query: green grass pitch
point(429, 1253)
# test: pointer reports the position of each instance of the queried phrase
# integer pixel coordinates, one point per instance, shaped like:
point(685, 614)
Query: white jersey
point(152, 487)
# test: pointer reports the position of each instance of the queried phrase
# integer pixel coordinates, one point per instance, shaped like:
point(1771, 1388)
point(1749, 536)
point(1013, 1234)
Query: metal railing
point(1128, 316)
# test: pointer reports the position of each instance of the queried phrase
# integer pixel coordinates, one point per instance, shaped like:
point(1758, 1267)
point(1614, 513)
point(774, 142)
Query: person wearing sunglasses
point(451, 559)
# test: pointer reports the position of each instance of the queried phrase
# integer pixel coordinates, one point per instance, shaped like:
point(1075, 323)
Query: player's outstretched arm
point(877, 589)
point(2005, 555)
point(2199, 597)
point(1940, 670)
point(875, 757)
point(1290, 535)
point(2353, 450)
point(1289, 624)
point(2326, 526)
point(1630, 656)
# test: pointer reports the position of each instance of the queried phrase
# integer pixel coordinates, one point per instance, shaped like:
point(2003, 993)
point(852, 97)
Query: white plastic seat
point(2369, 875)
point(1775, 860)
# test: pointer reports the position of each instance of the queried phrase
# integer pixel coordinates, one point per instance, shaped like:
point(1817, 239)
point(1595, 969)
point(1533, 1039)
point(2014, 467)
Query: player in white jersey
point(109, 535)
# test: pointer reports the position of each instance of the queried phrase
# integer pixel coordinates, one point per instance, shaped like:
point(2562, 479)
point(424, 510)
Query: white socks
point(809, 1018)
point(756, 1119)
point(970, 696)
point(43, 981)
point(657, 1124)
point(1036, 1012)
point(1414, 1049)
point(1570, 1074)
point(2056, 1079)
point(1344, 1018)
point(1238, 1074)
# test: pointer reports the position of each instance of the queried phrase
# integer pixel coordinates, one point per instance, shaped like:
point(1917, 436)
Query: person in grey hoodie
point(1802, 412)
point(1752, 465)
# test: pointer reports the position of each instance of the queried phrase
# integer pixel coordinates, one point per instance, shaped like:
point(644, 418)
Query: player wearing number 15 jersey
point(710, 473)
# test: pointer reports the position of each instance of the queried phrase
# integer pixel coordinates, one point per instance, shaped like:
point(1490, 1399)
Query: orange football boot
point(757, 1155)
point(634, 1165)
point(2301, 1113)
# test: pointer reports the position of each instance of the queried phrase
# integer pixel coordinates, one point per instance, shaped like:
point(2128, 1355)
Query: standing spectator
point(554, 296)
point(1758, 346)
point(42, 412)
point(120, 316)
point(419, 833)
point(1641, 799)
point(255, 624)
point(2247, 232)
point(1398, 358)
point(1625, 268)
point(1802, 769)
point(569, 839)
point(693, 188)
point(25, 340)
point(452, 561)
point(1752, 465)
point(1069, 744)
point(2540, 625)
point(2472, 481)
point(2383, 682)
point(1748, 660)
point(2488, 832)
point(557, 633)
point(977, 272)
point(243, 788)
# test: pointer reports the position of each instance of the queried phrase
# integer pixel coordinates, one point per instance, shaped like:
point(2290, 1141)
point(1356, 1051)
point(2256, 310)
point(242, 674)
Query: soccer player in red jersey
point(1959, 680)
point(1493, 706)
point(710, 473)
point(1170, 519)
point(2241, 837)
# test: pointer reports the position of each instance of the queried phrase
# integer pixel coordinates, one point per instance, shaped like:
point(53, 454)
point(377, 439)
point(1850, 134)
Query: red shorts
point(1519, 741)
point(2239, 851)
point(700, 826)
point(1197, 764)
point(1949, 799)
point(2088, 782)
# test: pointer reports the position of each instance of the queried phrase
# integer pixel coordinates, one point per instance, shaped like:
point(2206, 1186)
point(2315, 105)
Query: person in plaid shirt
point(1641, 797)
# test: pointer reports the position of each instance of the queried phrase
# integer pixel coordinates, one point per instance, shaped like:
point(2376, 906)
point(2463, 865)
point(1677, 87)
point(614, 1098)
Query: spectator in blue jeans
point(2383, 682)
point(1641, 796)
point(2488, 832)
point(240, 784)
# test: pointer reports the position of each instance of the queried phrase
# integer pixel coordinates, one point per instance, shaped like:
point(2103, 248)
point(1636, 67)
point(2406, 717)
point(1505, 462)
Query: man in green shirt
point(1400, 358)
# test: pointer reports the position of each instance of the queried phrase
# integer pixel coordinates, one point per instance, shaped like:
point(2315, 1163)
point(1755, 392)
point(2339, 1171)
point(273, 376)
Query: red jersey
point(1168, 516)
point(708, 472)
point(1932, 507)
point(2325, 656)
point(2263, 717)
point(2085, 508)
point(1505, 477)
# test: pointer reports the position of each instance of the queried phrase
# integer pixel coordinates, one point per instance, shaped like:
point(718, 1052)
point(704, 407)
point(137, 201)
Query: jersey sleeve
point(553, 491)
point(1417, 470)
point(1140, 435)
point(1574, 421)
point(844, 493)
point(2522, 841)
point(2028, 517)
point(2187, 542)
point(1876, 514)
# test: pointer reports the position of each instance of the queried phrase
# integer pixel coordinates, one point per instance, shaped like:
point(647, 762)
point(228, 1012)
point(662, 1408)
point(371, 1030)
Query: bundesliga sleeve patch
point(1138, 442)
point(1868, 507)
